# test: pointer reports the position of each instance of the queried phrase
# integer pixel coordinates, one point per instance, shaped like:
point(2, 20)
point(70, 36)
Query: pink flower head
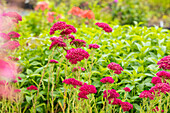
point(13, 58)
point(32, 88)
point(156, 80)
point(105, 26)
point(13, 34)
point(75, 11)
point(42, 5)
point(164, 63)
point(127, 89)
point(95, 46)
point(75, 55)
point(83, 94)
point(161, 87)
point(11, 45)
point(14, 81)
point(19, 78)
point(115, 67)
point(5, 37)
point(56, 39)
point(8, 70)
point(53, 61)
point(3, 82)
point(115, 101)
point(57, 44)
point(14, 15)
point(69, 29)
point(17, 90)
point(83, 69)
point(71, 37)
point(112, 94)
point(78, 43)
point(107, 79)
point(88, 88)
point(72, 81)
point(115, 1)
point(163, 74)
point(146, 94)
point(126, 106)
point(57, 26)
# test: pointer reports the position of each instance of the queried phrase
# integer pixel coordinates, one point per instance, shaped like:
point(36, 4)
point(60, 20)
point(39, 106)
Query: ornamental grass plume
point(42, 5)
point(75, 55)
point(115, 67)
point(127, 89)
point(163, 74)
point(107, 79)
point(156, 80)
point(32, 87)
point(164, 63)
point(112, 94)
point(146, 94)
point(72, 81)
point(105, 27)
point(126, 106)
point(13, 34)
point(78, 43)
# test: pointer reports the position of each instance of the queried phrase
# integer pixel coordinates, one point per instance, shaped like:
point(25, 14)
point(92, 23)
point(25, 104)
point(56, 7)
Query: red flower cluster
point(115, 101)
point(53, 61)
point(13, 58)
point(115, 67)
point(164, 63)
point(95, 46)
point(127, 89)
point(146, 94)
point(11, 45)
point(50, 17)
point(74, 55)
point(56, 39)
point(157, 109)
point(5, 37)
point(67, 29)
point(156, 80)
point(85, 90)
point(76, 69)
point(78, 43)
point(13, 34)
point(161, 87)
point(126, 106)
point(14, 15)
point(32, 88)
point(163, 74)
point(72, 81)
point(112, 94)
point(81, 13)
point(57, 44)
point(107, 79)
point(105, 27)
point(42, 5)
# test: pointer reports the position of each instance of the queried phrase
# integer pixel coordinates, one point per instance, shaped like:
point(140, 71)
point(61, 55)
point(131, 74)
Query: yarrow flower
point(17, 90)
point(75, 11)
point(5, 37)
point(83, 94)
point(94, 46)
point(11, 45)
point(127, 89)
point(13, 34)
point(112, 94)
point(105, 27)
point(69, 29)
point(156, 80)
point(163, 74)
point(72, 81)
point(126, 106)
point(75, 55)
point(115, 101)
point(57, 43)
point(107, 79)
point(88, 14)
point(146, 94)
point(161, 87)
point(14, 15)
point(78, 43)
point(32, 88)
point(164, 63)
point(42, 5)
point(56, 38)
point(50, 17)
point(57, 26)
point(115, 67)
point(88, 88)
point(53, 61)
